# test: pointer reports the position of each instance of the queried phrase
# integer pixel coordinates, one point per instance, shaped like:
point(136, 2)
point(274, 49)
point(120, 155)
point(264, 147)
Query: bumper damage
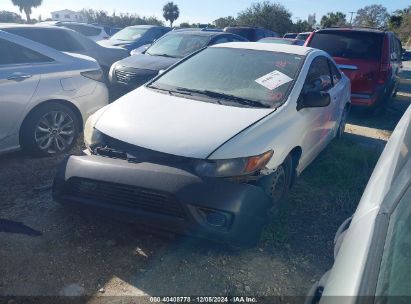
point(163, 197)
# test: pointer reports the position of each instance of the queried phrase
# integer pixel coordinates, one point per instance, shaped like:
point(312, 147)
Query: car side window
point(319, 76)
point(394, 274)
point(12, 53)
point(336, 75)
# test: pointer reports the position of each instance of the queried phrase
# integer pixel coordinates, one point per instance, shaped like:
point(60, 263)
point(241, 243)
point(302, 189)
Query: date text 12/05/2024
point(239, 299)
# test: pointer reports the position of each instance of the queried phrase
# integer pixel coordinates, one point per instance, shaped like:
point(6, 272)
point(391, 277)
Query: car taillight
point(96, 75)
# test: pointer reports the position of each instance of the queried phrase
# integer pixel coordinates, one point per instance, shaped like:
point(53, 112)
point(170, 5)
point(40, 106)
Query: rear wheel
point(50, 129)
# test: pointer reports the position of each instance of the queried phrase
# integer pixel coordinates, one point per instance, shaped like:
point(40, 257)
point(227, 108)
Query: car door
point(19, 77)
point(339, 95)
point(317, 121)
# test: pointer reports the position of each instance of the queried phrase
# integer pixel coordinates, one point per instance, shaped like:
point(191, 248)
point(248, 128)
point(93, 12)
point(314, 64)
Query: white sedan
point(213, 143)
point(45, 96)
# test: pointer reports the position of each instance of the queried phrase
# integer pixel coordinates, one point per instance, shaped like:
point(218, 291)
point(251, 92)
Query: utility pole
point(352, 13)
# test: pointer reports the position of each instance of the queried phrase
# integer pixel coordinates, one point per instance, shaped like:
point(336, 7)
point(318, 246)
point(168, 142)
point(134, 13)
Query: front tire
point(277, 184)
point(49, 129)
point(343, 122)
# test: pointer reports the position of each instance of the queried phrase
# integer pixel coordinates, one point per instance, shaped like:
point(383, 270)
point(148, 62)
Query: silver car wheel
point(54, 132)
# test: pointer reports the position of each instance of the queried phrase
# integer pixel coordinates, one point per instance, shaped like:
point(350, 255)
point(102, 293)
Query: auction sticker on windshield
point(273, 80)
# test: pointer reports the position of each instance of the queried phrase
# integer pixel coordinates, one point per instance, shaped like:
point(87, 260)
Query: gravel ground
point(84, 255)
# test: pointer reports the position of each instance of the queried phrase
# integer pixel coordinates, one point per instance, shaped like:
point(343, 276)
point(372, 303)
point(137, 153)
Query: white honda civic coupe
point(212, 144)
point(45, 96)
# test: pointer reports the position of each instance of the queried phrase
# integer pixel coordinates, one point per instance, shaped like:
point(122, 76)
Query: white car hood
point(174, 125)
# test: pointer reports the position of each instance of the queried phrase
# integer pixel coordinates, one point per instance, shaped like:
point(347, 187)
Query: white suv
point(91, 31)
point(46, 96)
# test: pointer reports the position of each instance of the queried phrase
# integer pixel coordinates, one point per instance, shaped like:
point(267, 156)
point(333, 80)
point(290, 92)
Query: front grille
point(135, 78)
point(124, 195)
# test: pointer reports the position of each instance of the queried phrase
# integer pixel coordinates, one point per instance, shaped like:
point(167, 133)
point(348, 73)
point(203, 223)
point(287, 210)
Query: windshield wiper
point(217, 95)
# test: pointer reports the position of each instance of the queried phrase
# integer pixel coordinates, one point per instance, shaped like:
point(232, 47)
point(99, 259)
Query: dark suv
point(251, 33)
point(371, 58)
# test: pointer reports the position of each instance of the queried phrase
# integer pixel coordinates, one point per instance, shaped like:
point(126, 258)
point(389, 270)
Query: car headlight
point(92, 136)
point(232, 167)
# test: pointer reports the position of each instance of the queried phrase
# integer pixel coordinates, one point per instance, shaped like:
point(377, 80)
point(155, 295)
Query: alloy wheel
point(54, 132)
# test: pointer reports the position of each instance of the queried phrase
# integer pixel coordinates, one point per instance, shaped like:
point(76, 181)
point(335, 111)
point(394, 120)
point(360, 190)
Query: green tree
point(374, 15)
point(224, 22)
point(10, 17)
point(185, 25)
point(301, 26)
point(26, 6)
point(333, 19)
point(273, 16)
point(118, 19)
point(171, 12)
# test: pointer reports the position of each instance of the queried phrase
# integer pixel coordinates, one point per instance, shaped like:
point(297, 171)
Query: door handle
point(19, 77)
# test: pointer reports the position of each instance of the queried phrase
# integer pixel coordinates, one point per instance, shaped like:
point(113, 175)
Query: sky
point(204, 11)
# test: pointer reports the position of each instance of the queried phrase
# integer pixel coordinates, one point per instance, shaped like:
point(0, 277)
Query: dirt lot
point(84, 255)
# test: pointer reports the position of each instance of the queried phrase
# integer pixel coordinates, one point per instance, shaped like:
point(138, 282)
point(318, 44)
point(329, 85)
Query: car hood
point(175, 125)
point(148, 62)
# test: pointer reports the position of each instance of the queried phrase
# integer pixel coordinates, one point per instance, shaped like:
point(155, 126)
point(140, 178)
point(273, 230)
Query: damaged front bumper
point(163, 197)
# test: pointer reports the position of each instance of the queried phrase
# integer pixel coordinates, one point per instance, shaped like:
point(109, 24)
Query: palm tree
point(171, 12)
point(26, 6)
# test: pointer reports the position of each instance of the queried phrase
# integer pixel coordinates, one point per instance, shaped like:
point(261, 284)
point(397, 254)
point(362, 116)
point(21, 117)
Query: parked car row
point(256, 93)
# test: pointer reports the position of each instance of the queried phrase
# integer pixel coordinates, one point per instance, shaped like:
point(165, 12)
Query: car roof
point(352, 29)
point(147, 26)
point(245, 27)
point(197, 32)
point(282, 48)
point(34, 26)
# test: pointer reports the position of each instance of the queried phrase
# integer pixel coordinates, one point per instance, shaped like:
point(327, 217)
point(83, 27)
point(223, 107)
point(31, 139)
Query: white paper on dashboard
point(273, 80)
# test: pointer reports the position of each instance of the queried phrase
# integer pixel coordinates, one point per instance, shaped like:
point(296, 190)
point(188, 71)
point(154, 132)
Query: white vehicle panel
point(175, 125)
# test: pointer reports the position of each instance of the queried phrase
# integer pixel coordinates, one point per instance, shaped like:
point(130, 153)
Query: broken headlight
point(92, 137)
point(232, 167)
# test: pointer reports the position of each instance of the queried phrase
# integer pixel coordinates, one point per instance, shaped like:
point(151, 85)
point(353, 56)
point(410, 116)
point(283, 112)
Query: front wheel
point(343, 123)
point(50, 129)
point(277, 184)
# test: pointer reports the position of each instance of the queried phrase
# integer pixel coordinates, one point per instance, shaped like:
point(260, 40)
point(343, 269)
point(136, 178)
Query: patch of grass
point(325, 194)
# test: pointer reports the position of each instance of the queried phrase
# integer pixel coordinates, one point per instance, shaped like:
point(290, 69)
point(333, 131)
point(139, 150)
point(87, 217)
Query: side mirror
point(314, 99)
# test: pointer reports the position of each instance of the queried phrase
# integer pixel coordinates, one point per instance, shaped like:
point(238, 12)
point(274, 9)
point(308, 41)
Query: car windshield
point(235, 76)
point(178, 45)
point(129, 34)
point(353, 45)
